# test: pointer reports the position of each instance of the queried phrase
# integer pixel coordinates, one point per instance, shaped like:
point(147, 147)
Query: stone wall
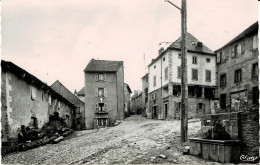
point(250, 132)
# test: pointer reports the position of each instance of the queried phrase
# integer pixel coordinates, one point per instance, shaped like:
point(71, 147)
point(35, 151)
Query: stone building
point(164, 74)
point(136, 103)
point(81, 94)
point(127, 93)
point(238, 81)
point(145, 87)
point(26, 100)
point(104, 93)
point(58, 87)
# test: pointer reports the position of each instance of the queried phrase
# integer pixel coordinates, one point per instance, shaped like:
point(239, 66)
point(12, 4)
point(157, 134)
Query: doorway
point(165, 111)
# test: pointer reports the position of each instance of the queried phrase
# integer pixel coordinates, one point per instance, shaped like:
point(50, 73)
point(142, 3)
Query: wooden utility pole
point(184, 87)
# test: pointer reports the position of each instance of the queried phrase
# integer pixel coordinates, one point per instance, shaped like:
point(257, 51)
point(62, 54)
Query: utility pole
point(184, 87)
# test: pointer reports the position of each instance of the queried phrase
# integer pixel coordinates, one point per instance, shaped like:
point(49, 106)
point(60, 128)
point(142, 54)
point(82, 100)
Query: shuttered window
point(208, 75)
point(194, 74)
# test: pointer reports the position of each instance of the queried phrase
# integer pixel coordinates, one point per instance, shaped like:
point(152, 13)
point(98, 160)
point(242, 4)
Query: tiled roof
point(103, 66)
point(250, 30)
point(81, 92)
point(191, 45)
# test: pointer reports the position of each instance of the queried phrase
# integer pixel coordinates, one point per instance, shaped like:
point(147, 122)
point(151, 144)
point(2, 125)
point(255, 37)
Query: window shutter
point(96, 92)
point(58, 104)
point(105, 92)
point(96, 76)
point(33, 92)
point(49, 99)
point(233, 52)
point(105, 106)
point(96, 106)
point(239, 49)
point(105, 77)
point(218, 57)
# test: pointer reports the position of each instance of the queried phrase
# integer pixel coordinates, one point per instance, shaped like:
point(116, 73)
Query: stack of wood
point(52, 132)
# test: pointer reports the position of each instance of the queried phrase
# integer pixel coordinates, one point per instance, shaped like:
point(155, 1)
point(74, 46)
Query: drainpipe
point(161, 90)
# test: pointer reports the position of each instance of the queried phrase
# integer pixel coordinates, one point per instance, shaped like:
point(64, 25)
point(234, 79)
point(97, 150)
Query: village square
point(189, 104)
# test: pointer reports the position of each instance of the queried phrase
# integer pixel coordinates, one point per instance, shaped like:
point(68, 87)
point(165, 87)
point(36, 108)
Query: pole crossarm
point(173, 4)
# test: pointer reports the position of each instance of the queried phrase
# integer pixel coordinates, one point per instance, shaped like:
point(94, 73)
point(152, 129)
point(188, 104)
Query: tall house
point(145, 86)
point(104, 93)
point(58, 87)
point(164, 74)
point(237, 67)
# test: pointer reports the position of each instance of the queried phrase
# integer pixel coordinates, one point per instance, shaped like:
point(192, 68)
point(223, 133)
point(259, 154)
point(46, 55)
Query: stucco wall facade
point(19, 106)
point(114, 85)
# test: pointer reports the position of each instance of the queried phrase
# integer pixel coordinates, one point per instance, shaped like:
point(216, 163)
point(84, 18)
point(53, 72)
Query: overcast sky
point(55, 39)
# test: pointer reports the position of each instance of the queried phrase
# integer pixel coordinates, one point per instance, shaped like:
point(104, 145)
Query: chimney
point(161, 50)
point(199, 44)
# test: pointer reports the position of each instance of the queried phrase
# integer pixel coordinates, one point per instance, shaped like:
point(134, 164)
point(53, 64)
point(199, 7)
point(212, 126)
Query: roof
point(128, 87)
point(146, 75)
point(253, 29)
point(191, 47)
point(66, 93)
point(81, 92)
point(30, 79)
point(103, 66)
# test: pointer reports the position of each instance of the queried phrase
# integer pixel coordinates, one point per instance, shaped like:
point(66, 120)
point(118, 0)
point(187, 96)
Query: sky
point(55, 39)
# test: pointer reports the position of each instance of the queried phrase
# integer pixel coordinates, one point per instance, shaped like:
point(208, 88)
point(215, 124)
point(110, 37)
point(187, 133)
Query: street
point(136, 140)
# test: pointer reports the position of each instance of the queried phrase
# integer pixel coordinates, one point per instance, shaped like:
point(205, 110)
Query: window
point(42, 96)
point(194, 74)
point(101, 92)
point(101, 107)
point(238, 76)
point(176, 90)
point(154, 96)
point(194, 60)
point(255, 70)
point(58, 104)
point(147, 79)
point(236, 51)
point(154, 66)
point(227, 56)
point(194, 91)
point(33, 93)
point(223, 80)
point(154, 81)
point(179, 72)
point(208, 75)
point(208, 60)
point(223, 101)
point(164, 59)
point(100, 77)
point(255, 95)
point(166, 73)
